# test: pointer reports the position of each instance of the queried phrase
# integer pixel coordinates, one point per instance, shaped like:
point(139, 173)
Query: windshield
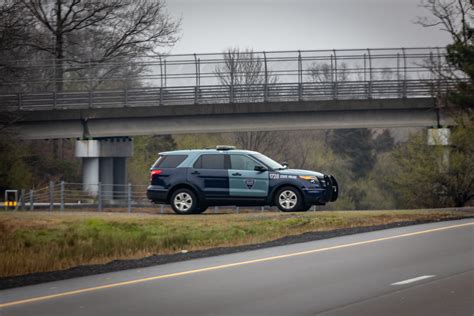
point(268, 161)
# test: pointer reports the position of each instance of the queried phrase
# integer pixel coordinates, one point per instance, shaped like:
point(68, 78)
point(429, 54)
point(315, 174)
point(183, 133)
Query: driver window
point(240, 162)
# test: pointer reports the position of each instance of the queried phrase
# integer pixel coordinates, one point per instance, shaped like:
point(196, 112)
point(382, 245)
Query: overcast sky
point(214, 25)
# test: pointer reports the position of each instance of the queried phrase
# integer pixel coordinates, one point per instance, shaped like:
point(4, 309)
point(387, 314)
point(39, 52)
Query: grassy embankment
point(40, 241)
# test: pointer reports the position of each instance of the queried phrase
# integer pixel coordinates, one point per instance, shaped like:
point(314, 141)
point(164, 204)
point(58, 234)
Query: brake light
point(154, 172)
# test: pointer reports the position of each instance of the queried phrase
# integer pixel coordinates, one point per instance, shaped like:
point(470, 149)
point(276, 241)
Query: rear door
point(209, 173)
point(244, 181)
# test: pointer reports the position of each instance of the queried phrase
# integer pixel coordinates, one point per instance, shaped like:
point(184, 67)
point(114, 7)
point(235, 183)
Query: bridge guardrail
point(277, 92)
point(231, 77)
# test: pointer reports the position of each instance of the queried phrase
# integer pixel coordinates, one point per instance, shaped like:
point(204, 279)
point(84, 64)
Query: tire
point(289, 199)
point(184, 201)
point(200, 209)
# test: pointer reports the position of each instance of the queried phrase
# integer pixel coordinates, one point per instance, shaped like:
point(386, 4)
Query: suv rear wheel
point(184, 201)
point(288, 199)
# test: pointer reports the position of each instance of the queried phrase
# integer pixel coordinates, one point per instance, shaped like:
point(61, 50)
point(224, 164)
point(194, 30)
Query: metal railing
point(126, 198)
point(221, 78)
point(286, 92)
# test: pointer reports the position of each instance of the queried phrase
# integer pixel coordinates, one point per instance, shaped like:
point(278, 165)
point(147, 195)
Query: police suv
point(193, 180)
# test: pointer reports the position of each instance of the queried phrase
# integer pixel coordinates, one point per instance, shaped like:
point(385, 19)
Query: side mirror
point(284, 164)
point(260, 168)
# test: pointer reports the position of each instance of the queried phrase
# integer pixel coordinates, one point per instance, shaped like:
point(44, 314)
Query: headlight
point(312, 179)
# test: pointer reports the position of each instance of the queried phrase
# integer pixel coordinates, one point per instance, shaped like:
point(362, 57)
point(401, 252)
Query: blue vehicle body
point(235, 177)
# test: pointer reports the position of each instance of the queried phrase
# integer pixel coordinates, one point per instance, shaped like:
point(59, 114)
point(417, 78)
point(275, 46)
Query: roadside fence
point(100, 197)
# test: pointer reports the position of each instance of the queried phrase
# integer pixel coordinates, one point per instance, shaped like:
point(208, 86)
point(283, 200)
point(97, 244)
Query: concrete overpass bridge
point(228, 92)
point(236, 91)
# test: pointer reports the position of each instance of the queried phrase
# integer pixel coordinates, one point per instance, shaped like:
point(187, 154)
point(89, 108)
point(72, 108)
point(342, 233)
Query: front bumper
point(329, 192)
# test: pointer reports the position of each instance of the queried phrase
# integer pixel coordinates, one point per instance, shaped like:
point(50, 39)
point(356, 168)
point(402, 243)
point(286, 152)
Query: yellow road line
point(224, 266)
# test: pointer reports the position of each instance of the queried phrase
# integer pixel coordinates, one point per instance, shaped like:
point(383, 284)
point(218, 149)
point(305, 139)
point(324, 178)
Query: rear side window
point(210, 162)
point(169, 161)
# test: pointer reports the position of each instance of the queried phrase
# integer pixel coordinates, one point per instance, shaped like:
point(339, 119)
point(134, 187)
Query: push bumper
point(320, 196)
point(332, 188)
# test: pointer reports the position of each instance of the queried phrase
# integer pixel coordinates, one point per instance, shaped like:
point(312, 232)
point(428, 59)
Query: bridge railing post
point(161, 95)
point(300, 77)
point(197, 63)
point(369, 57)
point(335, 78)
point(438, 77)
point(265, 86)
point(369, 90)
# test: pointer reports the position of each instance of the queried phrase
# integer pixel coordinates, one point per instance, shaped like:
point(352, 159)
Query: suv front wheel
point(288, 199)
point(184, 201)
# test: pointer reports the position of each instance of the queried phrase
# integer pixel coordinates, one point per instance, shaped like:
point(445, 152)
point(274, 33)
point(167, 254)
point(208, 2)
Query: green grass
point(41, 241)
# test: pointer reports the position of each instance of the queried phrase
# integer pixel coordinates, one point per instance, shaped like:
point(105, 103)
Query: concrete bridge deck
point(208, 118)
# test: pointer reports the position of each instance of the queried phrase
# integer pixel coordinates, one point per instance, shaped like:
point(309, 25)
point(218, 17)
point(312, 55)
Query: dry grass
point(41, 241)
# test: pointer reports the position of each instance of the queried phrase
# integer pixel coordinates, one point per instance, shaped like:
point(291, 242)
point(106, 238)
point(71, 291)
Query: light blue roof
point(209, 151)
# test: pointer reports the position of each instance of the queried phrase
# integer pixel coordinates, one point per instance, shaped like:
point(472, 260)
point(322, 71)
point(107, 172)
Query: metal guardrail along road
point(129, 198)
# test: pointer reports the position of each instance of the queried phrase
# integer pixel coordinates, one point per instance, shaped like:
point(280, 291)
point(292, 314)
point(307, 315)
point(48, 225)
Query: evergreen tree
point(384, 142)
point(357, 146)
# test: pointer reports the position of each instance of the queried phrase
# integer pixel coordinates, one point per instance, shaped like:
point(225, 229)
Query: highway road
point(415, 270)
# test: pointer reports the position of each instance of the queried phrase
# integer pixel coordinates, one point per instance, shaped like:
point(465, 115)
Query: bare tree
point(117, 29)
point(14, 27)
point(324, 73)
point(455, 17)
point(452, 16)
point(243, 72)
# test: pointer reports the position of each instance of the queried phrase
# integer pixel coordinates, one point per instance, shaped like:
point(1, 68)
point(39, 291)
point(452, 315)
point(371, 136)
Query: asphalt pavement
point(415, 270)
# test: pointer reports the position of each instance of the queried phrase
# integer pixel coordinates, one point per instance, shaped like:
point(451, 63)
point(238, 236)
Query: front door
point(244, 181)
point(209, 173)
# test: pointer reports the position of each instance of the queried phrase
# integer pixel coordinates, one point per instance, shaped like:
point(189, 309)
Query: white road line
point(423, 277)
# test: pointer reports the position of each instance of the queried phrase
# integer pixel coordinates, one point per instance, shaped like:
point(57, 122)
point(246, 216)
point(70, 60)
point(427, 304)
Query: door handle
point(236, 174)
point(195, 172)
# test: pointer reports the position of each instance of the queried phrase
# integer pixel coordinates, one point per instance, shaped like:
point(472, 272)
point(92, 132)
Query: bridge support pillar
point(441, 137)
point(104, 161)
